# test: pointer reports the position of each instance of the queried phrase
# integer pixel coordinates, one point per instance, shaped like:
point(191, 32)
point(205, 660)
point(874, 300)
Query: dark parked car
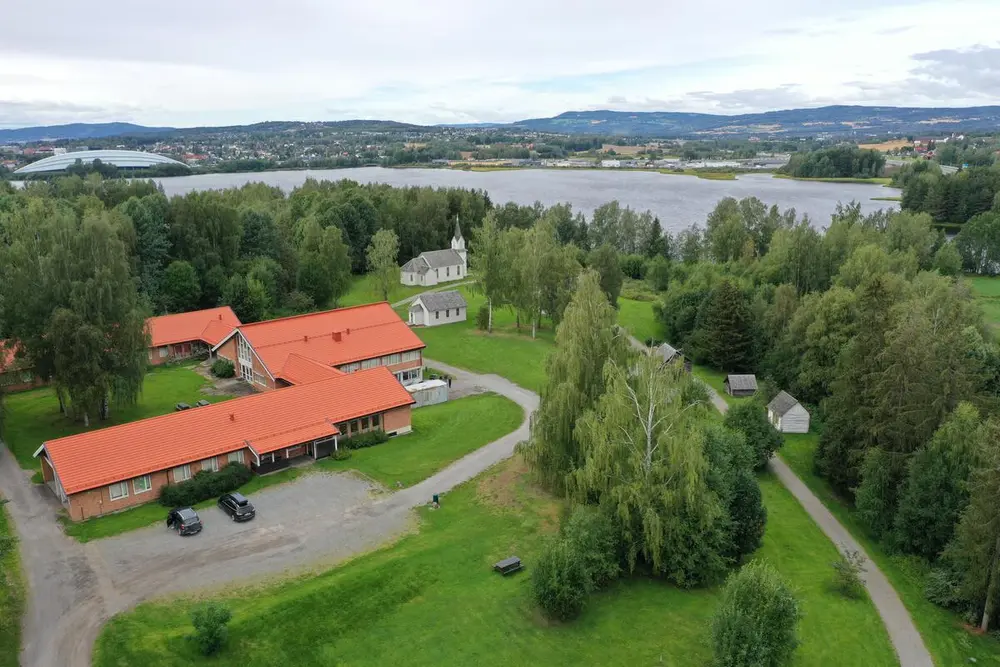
point(184, 520)
point(237, 506)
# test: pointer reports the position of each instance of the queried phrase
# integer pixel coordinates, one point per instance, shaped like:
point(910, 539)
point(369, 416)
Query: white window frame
point(186, 469)
point(369, 363)
point(412, 355)
point(164, 351)
point(213, 464)
point(122, 488)
point(149, 484)
point(243, 351)
point(258, 378)
point(235, 457)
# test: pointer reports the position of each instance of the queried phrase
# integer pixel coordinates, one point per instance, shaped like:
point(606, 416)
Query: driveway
point(311, 523)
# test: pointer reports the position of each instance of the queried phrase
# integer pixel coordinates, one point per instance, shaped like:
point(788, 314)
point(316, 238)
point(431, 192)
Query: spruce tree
point(725, 335)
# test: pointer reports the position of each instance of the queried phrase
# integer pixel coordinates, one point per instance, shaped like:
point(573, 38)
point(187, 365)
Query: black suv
point(237, 506)
point(184, 520)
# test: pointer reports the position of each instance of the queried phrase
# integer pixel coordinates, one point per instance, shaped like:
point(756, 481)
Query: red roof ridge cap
point(318, 312)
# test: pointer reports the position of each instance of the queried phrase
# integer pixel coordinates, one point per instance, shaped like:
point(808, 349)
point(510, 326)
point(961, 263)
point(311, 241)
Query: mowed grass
point(11, 598)
point(33, 417)
point(638, 319)
point(987, 292)
point(508, 351)
point(944, 633)
point(363, 291)
point(432, 599)
point(442, 433)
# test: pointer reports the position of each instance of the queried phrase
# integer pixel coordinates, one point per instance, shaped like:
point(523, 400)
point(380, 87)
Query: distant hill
point(833, 120)
point(77, 131)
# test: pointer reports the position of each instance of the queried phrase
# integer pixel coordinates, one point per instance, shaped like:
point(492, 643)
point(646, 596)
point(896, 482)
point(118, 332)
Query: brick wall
point(397, 420)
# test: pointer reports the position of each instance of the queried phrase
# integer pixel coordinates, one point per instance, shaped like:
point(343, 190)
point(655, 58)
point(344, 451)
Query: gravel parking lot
point(317, 517)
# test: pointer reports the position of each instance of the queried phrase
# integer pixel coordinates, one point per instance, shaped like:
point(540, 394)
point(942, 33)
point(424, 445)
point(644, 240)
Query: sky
point(228, 62)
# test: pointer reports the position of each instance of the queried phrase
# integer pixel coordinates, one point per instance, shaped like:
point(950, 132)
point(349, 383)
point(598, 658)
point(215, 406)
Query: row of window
point(142, 484)
point(362, 425)
point(388, 360)
point(409, 375)
point(447, 313)
point(243, 349)
point(447, 272)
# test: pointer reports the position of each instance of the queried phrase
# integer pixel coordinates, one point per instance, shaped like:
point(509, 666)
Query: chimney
point(232, 416)
point(220, 316)
point(336, 336)
point(306, 338)
point(348, 331)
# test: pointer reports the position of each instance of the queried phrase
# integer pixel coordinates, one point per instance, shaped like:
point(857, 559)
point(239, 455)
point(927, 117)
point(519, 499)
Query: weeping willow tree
point(643, 449)
point(586, 339)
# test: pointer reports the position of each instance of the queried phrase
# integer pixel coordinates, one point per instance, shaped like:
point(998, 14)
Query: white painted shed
point(787, 414)
point(428, 392)
point(434, 308)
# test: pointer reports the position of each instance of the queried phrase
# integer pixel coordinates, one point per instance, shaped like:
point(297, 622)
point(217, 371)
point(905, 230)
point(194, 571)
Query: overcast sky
point(221, 62)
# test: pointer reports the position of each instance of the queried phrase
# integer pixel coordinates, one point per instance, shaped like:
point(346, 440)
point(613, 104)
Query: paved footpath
point(73, 588)
point(903, 634)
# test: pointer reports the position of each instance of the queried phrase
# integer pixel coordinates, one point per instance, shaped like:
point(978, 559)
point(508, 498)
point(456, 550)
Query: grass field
point(432, 599)
point(709, 175)
point(11, 598)
point(987, 292)
point(441, 434)
point(891, 145)
point(873, 181)
point(943, 632)
point(363, 291)
point(508, 351)
point(637, 317)
point(33, 416)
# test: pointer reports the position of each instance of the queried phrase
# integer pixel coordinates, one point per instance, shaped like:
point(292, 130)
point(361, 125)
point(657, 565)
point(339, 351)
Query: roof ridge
point(299, 337)
point(299, 427)
point(313, 314)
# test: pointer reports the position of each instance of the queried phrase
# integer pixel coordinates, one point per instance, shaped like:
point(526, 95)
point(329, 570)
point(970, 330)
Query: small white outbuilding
point(434, 308)
point(787, 414)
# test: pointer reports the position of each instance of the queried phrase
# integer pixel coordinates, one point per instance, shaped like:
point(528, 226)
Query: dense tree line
point(869, 325)
point(950, 198)
point(836, 162)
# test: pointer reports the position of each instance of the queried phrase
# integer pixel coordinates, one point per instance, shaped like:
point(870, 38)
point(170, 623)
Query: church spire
point(458, 230)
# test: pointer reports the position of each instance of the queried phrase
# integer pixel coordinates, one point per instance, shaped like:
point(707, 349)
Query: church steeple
point(458, 243)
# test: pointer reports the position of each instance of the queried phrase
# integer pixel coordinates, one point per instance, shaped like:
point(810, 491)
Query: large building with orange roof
point(183, 335)
point(272, 354)
point(110, 469)
point(14, 374)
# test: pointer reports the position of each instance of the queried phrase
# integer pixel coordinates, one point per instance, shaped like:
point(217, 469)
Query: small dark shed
point(741, 385)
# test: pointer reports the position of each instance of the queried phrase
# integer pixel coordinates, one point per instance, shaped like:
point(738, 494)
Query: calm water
point(679, 201)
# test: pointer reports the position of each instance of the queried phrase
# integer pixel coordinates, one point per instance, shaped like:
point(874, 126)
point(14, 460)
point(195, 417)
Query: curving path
point(74, 588)
point(905, 638)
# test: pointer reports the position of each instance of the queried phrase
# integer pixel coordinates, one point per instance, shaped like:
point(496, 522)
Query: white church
point(437, 266)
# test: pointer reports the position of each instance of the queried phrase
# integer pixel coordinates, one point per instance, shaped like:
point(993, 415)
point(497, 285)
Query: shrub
point(210, 623)
point(342, 454)
point(300, 302)
point(943, 587)
point(747, 513)
point(369, 439)
point(592, 534)
point(658, 273)
point(847, 574)
point(633, 266)
point(223, 368)
point(483, 318)
point(559, 581)
point(750, 419)
point(755, 623)
point(205, 485)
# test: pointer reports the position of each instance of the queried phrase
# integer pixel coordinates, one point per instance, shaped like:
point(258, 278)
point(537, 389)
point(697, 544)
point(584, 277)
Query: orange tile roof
point(365, 332)
point(210, 325)
point(300, 370)
point(117, 453)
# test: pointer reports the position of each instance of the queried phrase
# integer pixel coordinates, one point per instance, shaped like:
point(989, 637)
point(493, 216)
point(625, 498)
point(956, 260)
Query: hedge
point(205, 485)
point(223, 368)
point(363, 440)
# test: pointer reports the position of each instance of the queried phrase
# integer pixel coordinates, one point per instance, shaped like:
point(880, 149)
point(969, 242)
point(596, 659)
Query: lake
point(679, 201)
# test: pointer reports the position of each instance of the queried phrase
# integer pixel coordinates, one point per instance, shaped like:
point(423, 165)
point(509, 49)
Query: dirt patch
point(511, 488)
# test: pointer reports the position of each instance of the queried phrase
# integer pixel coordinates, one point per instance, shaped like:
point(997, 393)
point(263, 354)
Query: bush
point(342, 454)
point(847, 574)
point(755, 624)
point(483, 318)
point(205, 485)
point(210, 623)
point(223, 368)
point(943, 587)
point(300, 302)
point(633, 266)
point(747, 513)
point(592, 534)
point(363, 440)
point(750, 419)
point(559, 581)
point(658, 273)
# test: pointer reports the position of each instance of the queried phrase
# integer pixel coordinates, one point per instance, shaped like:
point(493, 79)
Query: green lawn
point(441, 434)
point(987, 292)
point(943, 632)
point(638, 318)
point(11, 598)
point(432, 599)
point(33, 416)
point(874, 181)
point(507, 351)
point(363, 291)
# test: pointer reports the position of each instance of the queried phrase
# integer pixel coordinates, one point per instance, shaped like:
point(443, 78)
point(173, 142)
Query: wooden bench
point(508, 565)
